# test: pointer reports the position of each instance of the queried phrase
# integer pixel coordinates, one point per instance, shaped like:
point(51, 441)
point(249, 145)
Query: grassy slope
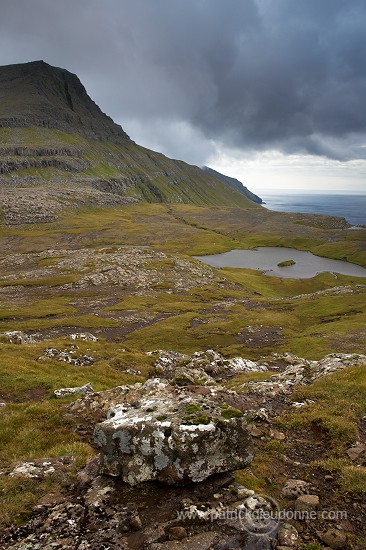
point(146, 174)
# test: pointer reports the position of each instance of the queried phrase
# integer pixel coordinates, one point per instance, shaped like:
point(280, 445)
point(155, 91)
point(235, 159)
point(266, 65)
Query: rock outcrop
point(70, 355)
point(171, 436)
point(41, 468)
point(304, 371)
point(202, 367)
point(87, 389)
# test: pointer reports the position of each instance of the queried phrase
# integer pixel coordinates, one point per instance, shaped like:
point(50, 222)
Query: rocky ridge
point(35, 204)
point(120, 265)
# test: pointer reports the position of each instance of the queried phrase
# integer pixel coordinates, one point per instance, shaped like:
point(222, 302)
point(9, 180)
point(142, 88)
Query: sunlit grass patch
point(23, 377)
point(56, 280)
point(171, 334)
point(353, 480)
point(56, 305)
point(32, 430)
point(51, 261)
point(87, 321)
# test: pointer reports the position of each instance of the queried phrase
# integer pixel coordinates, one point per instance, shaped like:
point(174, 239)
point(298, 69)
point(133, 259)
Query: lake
point(351, 207)
point(266, 258)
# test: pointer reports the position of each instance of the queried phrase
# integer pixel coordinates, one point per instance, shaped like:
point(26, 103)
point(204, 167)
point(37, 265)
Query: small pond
point(267, 258)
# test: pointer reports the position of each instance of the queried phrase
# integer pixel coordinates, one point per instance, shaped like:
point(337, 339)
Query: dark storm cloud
point(251, 74)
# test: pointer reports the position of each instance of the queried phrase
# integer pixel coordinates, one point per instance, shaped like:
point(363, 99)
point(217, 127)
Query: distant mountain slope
point(52, 133)
point(236, 184)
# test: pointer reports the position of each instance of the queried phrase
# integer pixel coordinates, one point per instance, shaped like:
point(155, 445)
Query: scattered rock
point(44, 204)
point(86, 336)
point(49, 500)
point(134, 372)
point(334, 539)
point(202, 541)
point(262, 414)
point(135, 522)
point(30, 470)
point(39, 469)
point(15, 337)
point(294, 488)
point(255, 431)
point(299, 404)
point(307, 503)
point(287, 535)
point(185, 376)
point(355, 452)
point(84, 390)
point(99, 492)
point(275, 434)
point(69, 355)
point(172, 438)
point(86, 475)
point(242, 492)
point(205, 365)
point(178, 533)
point(303, 371)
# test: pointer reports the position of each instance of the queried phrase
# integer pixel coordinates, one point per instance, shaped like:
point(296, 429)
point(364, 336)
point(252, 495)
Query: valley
point(126, 274)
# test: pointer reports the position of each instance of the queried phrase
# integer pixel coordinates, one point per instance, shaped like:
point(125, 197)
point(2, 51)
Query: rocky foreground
point(167, 451)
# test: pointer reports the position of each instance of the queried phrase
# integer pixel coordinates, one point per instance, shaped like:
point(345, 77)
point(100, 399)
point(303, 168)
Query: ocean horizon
point(351, 207)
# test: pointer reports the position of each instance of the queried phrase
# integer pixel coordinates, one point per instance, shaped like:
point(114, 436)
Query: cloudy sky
point(272, 92)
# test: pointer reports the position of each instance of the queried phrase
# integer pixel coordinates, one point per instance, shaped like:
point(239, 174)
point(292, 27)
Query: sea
point(351, 207)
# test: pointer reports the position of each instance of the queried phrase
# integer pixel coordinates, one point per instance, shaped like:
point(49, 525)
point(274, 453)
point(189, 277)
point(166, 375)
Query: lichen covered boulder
point(171, 436)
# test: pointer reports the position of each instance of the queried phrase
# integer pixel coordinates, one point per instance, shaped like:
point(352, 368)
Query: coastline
point(351, 207)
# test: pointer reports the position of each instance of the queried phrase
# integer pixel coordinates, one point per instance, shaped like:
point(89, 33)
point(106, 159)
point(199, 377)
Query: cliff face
point(36, 94)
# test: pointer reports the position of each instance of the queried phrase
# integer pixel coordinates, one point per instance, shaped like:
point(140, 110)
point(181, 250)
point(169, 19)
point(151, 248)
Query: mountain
point(52, 135)
point(235, 184)
point(36, 94)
